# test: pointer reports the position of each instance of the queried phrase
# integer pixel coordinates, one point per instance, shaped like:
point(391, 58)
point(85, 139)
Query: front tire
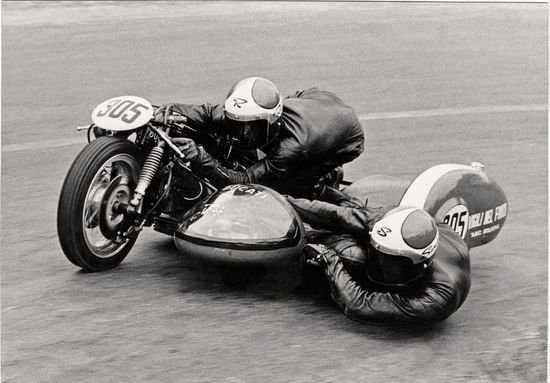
point(88, 188)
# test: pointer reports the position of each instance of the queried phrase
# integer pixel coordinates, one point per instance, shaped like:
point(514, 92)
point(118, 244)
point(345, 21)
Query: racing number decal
point(456, 222)
point(383, 231)
point(108, 107)
point(457, 219)
point(136, 111)
point(117, 109)
point(122, 113)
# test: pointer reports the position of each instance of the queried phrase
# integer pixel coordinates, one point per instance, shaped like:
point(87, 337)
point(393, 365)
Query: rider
point(303, 137)
point(387, 265)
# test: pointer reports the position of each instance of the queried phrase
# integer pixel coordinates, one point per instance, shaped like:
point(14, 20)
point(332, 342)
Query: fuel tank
point(462, 196)
point(242, 224)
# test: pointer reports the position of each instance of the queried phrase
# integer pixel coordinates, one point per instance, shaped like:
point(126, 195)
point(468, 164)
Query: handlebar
point(176, 118)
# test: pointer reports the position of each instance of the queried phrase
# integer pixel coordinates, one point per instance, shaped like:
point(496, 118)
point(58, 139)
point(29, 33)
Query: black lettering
point(383, 231)
point(454, 220)
point(462, 223)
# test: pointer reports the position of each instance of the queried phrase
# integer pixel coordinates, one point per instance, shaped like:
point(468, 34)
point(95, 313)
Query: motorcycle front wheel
point(104, 172)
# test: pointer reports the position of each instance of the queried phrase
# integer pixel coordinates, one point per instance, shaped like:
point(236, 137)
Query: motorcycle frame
point(157, 133)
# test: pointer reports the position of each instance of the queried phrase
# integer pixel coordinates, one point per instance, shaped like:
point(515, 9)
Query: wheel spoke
point(88, 224)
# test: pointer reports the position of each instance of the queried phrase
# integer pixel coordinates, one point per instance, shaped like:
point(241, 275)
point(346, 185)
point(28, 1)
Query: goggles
point(388, 269)
point(249, 134)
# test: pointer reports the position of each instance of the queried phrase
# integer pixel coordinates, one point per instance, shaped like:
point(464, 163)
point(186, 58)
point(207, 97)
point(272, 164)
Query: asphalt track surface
point(433, 83)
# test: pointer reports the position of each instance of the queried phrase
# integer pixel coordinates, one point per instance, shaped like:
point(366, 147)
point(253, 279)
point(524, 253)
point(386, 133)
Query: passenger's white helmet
point(402, 246)
point(253, 110)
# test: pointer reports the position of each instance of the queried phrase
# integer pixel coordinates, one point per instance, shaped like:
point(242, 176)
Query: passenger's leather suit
point(345, 230)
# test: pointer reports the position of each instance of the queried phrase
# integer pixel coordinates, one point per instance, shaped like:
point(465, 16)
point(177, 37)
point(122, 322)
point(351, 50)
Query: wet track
point(432, 82)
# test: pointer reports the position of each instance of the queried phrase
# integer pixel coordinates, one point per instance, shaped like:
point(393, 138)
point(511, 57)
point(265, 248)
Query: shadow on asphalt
point(305, 287)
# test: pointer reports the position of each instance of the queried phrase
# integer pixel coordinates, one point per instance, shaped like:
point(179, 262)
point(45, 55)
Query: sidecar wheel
point(104, 171)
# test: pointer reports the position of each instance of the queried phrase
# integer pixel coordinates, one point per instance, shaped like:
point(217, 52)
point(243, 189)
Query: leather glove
point(187, 147)
point(315, 254)
point(174, 114)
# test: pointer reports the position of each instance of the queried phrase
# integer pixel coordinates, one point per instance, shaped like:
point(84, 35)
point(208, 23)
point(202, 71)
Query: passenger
point(391, 265)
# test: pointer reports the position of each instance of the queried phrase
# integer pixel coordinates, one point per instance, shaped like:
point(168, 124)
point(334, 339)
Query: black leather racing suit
point(434, 297)
point(319, 133)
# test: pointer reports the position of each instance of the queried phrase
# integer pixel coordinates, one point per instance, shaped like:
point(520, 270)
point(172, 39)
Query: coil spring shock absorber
point(147, 173)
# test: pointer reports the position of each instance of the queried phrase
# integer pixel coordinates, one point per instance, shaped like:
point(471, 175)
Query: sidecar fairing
point(378, 190)
point(242, 224)
point(463, 196)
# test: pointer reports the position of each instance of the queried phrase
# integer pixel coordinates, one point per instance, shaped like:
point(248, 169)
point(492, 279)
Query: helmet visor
point(249, 134)
point(389, 269)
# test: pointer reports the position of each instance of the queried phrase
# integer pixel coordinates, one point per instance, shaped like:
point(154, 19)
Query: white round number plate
point(122, 113)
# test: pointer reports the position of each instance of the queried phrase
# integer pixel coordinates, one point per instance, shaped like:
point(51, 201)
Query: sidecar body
point(242, 224)
point(252, 223)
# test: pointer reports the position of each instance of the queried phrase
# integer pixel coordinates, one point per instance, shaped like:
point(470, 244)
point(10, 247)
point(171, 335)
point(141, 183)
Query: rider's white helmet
point(253, 110)
point(402, 246)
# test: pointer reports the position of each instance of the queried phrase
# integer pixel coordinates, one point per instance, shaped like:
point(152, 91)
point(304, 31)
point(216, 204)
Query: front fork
point(148, 172)
point(134, 218)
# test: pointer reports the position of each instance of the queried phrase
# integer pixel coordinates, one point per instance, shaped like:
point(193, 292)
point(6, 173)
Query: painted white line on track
point(368, 116)
point(45, 144)
point(454, 111)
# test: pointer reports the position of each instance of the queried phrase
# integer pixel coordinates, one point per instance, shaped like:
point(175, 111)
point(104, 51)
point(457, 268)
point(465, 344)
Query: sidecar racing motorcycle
point(131, 175)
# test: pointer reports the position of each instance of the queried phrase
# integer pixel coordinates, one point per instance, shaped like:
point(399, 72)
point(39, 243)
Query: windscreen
point(241, 214)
